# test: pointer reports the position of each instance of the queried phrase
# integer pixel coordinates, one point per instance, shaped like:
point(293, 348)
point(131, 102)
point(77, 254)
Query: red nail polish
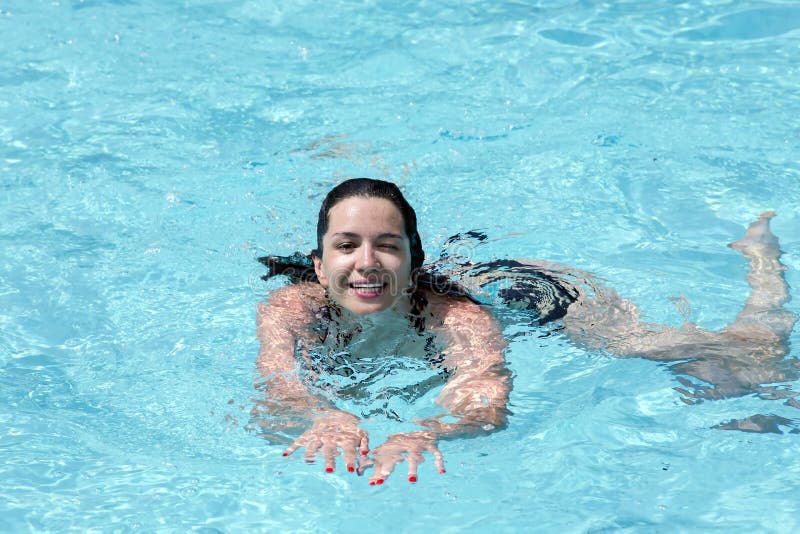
point(379, 481)
point(412, 479)
point(286, 454)
point(442, 471)
point(329, 469)
point(371, 483)
point(350, 468)
point(365, 452)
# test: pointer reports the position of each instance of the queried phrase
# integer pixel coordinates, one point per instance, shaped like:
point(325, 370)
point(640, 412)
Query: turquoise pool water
point(150, 151)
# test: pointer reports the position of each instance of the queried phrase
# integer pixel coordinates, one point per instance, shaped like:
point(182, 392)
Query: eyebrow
point(353, 235)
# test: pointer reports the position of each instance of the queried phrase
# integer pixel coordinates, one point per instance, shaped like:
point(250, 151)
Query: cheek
point(334, 269)
point(403, 272)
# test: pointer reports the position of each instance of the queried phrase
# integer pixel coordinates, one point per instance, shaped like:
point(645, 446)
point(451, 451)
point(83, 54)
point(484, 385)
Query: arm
point(283, 324)
point(478, 388)
point(475, 396)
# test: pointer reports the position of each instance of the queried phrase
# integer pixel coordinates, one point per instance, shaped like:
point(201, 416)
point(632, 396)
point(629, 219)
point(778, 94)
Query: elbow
point(484, 419)
point(494, 419)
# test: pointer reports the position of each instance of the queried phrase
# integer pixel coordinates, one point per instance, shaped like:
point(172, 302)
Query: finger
point(364, 445)
point(377, 473)
point(350, 457)
point(291, 448)
point(377, 477)
point(413, 462)
point(363, 464)
point(438, 459)
point(311, 449)
point(686, 382)
point(383, 470)
point(330, 452)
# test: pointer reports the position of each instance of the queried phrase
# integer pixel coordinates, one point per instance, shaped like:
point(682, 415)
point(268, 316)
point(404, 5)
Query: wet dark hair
point(299, 267)
point(371, 188)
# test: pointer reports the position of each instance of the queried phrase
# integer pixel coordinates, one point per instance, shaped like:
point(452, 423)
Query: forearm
point(475, 406)
point(280, 375)
point(284, 393)
point(287, 409)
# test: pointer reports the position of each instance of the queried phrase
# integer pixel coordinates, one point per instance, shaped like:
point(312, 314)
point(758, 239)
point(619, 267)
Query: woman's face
point(366, 257)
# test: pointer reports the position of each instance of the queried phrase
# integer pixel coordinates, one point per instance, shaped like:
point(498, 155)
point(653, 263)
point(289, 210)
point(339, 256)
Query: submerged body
point(368, 250)
point(368, 300)
point(297, 320)
point(742, 358)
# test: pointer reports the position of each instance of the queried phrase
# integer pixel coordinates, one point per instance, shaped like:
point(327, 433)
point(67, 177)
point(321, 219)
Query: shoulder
point(468, 329)
point(293, 305)
point(450, 309)
point(302, 292)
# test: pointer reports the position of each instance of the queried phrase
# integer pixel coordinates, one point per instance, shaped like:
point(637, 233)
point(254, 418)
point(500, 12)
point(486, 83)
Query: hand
point(406, 447)
point(330, 431)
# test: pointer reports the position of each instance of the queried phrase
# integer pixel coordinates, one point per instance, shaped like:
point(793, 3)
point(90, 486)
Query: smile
point(367, 286)
point(367, 290)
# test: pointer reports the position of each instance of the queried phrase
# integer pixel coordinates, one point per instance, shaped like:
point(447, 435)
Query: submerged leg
point(604, 320)
point(751, 351)
point(763, 316)
point(743, 358)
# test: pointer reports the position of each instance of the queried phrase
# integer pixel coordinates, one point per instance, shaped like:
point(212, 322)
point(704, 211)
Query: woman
point(365, 292)
point(369, 286)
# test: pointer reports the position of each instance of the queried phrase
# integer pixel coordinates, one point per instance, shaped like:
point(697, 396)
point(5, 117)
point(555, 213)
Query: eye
point(388, 246)
point(345, 247)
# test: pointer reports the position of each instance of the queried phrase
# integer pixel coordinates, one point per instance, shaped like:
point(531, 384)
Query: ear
point(323, 280)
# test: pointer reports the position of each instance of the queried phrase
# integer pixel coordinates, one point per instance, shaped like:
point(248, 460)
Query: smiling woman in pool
point(365, 291)
point(367, 264)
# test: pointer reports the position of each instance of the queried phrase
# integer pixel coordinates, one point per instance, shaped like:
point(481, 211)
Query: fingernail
point(350, 468)
point(286, 454)
point(365, 452)
point(379, 481)
point(412, 479)
point(371, 483)
point(329, 469)
point(442, 471)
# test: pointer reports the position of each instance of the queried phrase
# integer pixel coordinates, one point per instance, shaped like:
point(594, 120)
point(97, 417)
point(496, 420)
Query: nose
point(367, 260)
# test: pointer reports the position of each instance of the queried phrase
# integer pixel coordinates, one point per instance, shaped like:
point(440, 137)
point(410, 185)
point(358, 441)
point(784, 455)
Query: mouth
point(368, 289)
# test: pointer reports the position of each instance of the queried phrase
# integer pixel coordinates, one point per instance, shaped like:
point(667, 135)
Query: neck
point(398, 314)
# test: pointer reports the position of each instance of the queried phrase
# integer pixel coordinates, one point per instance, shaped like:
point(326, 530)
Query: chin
point(368, 309)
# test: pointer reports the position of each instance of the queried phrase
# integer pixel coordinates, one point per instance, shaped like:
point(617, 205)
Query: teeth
point(367, 286)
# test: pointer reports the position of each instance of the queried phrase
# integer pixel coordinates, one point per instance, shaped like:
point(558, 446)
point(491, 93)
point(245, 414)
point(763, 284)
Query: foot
point(758, 240)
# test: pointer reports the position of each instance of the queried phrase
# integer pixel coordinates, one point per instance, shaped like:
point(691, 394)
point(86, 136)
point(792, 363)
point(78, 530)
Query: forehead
point(365, 213)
